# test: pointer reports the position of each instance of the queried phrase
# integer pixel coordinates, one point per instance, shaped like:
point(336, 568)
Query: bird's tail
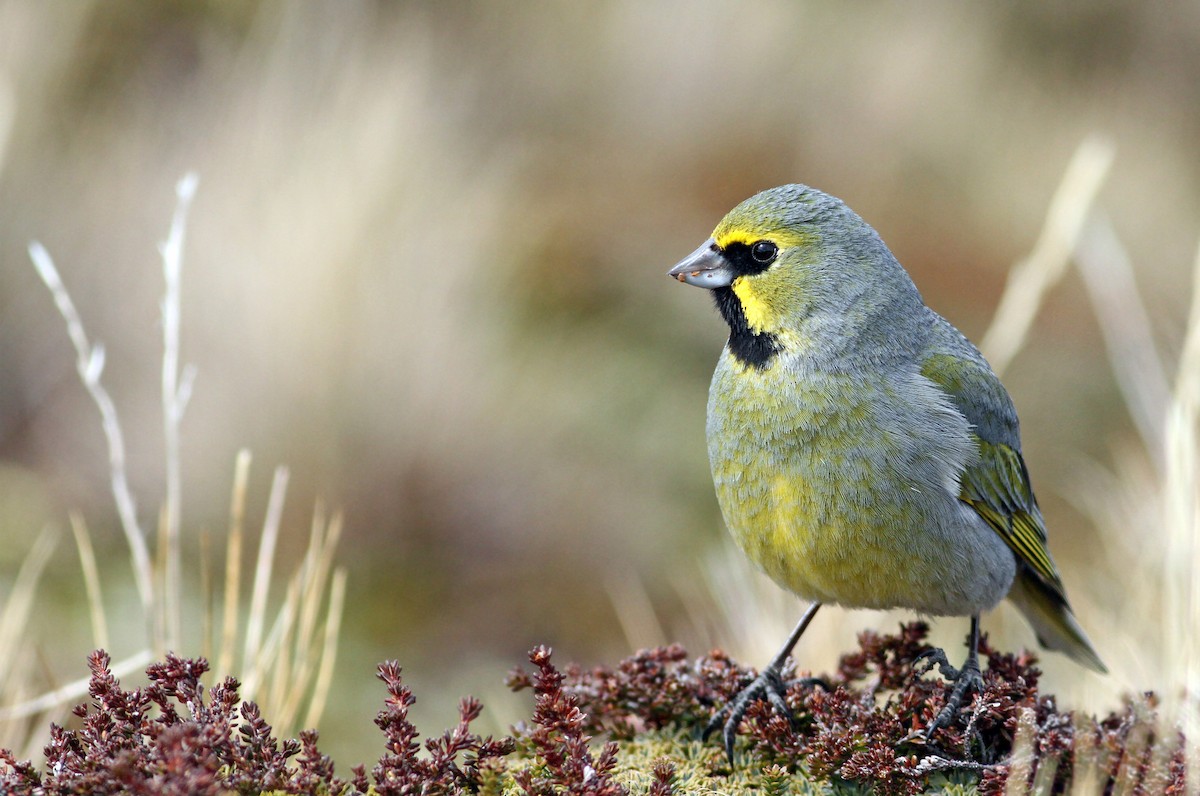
point(1053, 621)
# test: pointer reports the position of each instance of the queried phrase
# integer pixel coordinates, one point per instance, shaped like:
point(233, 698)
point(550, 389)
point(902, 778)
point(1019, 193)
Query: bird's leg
point(769, 684)
point(966, 679)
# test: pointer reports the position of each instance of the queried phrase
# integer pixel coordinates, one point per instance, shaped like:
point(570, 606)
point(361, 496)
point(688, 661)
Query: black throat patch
point(748, 347)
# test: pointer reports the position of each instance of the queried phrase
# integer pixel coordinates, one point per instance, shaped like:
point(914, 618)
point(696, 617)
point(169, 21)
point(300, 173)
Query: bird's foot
point(967, 680)
point(768, 684)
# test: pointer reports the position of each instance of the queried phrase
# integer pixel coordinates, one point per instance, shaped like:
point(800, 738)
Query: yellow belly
point(812, 545)
point(814, 493)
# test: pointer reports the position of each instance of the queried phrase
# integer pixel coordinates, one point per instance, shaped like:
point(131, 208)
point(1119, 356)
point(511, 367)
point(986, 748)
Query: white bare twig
point(290, 658)
point(73, 690)
point(90, 364)
point(176, 389)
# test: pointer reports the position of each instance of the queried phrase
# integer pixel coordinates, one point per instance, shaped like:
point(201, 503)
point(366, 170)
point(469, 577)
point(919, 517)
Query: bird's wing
point(996, 485)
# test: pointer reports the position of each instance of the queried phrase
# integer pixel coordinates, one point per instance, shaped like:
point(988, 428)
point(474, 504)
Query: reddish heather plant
point(864, 727)
point(401, 771)
point(560, 743)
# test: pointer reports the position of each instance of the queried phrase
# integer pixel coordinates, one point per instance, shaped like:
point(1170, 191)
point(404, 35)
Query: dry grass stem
point(262, 572)
point(1032, 277)
point(1168, 498)
point(289, 657)
point(15, 617)
point(293, 663)
point(91, 580)
point(207, 597)
point(1108, 275)
point(635, 611)
point(274, 667)
point(16, 729)
point(313, 582)
point(1181, 560)
point(233, 563)
point(329, 646)
point(317, 563)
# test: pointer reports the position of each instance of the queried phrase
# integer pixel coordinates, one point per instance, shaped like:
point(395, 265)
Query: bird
point(864, 454)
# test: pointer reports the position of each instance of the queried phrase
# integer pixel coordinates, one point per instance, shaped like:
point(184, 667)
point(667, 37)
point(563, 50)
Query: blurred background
point(424, 270)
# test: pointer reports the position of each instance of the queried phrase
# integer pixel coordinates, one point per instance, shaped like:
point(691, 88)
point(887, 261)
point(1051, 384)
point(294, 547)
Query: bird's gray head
point(795, 268)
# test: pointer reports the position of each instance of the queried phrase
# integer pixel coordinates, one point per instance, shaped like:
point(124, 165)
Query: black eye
point(764, 251)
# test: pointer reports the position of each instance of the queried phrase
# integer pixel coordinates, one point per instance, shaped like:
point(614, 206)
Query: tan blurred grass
point(288, 669)
point(425, 259)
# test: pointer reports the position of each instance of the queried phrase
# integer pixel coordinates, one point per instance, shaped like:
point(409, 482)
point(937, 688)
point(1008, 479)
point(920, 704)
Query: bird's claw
point(768, 684)
point(934, 658)
point(967, 680)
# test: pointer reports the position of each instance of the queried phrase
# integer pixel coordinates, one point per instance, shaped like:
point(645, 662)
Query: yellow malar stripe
point(758, 315)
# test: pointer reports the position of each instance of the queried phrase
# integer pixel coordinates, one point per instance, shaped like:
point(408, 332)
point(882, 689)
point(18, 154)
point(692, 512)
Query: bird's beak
point(706, 267)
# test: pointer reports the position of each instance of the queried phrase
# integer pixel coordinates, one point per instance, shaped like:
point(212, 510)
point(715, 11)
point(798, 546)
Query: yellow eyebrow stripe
point(783, 238)
point(736, 236)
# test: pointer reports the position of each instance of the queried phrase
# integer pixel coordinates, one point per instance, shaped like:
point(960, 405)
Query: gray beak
point(706, 267)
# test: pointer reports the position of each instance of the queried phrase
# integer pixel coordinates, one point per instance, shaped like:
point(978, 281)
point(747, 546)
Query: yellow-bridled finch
point(863, 451)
